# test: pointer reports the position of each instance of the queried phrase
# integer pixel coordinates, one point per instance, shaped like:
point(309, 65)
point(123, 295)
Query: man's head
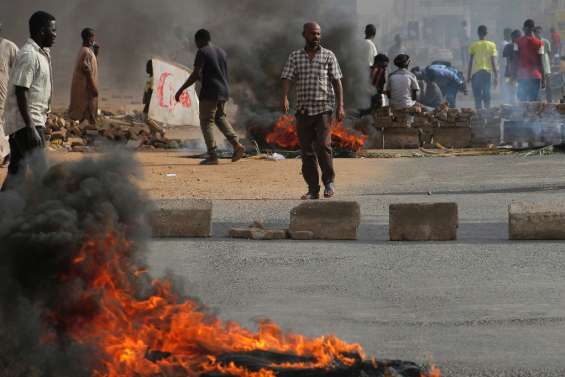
point(516, 34)
point(312, 33)
point(149, 67)
point(381, 60)
point(507, 33)
point(551, 30)
point(88, 36)
point(482, 31)
point(370, 31)
point(202, 38)
point(398, 39)
point(42, 29)
point(402, 61)
point(529, 26)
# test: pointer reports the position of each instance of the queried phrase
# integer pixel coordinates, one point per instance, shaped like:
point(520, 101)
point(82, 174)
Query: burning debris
point(284, 135)
point(76, 298)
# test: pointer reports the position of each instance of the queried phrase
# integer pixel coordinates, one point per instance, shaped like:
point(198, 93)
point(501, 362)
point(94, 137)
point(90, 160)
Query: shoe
point(210, 161)
point(329, 192)
point(238, 153)
point(310, 196)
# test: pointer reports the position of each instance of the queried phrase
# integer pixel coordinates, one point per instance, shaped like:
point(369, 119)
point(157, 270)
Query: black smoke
point(43, 225)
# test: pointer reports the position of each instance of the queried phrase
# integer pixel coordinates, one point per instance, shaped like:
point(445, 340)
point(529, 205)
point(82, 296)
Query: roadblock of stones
point(183, 218)
point(325, 220)
point(536, 221)
point(423, 222)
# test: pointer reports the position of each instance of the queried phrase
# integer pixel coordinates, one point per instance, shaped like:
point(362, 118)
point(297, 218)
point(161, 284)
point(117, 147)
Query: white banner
point(167, 79)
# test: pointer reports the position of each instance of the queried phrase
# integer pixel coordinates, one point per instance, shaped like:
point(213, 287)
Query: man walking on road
point(30, 90)
point(531, 72)
point(211, 69)
point(482, 68)
point(316, 75)
point(8, 51)
point(84, 87)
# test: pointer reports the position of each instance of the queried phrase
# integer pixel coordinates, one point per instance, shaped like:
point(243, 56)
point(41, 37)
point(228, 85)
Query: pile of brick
point(534, 124)
point(415, 128)
point(63, 133)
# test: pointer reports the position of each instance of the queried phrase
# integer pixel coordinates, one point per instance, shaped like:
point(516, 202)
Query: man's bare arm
point(338, 88)
point(494, 70)
point(192, 79)
point(471, 61)
point(285, 105)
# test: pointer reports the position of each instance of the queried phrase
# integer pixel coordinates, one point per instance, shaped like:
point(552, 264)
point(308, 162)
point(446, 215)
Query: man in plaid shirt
point(316, 75)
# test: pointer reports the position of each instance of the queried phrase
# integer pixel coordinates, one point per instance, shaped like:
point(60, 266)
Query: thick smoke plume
point(258, 36)
point(42, 228)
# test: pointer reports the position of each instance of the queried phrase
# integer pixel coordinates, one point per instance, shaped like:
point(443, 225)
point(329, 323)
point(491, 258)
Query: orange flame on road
point(284, 135)
point(127, 329)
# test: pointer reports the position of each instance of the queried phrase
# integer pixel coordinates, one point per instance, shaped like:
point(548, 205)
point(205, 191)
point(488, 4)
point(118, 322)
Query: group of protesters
point(527, 54)
point(26, 88)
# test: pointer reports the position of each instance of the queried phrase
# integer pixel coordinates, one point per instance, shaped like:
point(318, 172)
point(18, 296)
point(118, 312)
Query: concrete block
point(401, 138)
point(259, 234)
point(301, 235)
point(453, 137)
point(483, 136)
point(537, 221)
point(182, 218)
point(327, 220)
point(423, 222)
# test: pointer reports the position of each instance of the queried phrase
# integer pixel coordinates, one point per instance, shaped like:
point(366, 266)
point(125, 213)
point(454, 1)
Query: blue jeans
point(528, 90)
point(451, 95)
point(482, 81)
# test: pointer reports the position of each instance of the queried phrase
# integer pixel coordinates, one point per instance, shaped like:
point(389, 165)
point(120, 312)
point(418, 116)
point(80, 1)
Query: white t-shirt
point(32, 70)
point(370, 51)
point(401, 84)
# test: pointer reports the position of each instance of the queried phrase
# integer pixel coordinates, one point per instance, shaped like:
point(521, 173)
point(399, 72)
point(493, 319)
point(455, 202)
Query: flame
point(127, 329)
point(284, 135)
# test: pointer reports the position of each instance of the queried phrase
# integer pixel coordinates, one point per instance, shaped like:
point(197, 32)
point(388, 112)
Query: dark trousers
point(528, 90)
point(482, 82)
point(315, 135)
point(24, 154)
point(451, 95)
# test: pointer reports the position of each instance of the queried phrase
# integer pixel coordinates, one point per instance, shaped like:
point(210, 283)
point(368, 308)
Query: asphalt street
point(479, 306)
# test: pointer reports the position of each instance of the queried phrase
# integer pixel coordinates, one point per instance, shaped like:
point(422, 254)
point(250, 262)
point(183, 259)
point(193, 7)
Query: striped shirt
point(313, 80)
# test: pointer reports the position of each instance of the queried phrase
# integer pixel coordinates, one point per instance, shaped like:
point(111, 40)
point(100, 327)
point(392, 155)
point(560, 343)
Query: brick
point(453, 137)
point(327, 220)
point(516, 132)
point(552, 133)
point(483, 136)
point(401, 138)
point(301, 235)
point(259, 234)
point(182, 218)
point(537, 221)
point(423, 222)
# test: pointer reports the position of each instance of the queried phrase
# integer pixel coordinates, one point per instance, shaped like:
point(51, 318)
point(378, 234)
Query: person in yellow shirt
point(482, 68)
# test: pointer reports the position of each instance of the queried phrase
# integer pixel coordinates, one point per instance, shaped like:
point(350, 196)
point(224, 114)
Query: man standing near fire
point(30, 90)
point(211, 69)
point(316, 75)
point(84, 87)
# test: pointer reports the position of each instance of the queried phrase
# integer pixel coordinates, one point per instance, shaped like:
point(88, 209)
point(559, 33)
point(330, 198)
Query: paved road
point(481, 306)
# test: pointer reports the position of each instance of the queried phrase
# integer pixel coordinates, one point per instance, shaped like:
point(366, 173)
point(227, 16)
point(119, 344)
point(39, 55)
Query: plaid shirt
point(313, 80)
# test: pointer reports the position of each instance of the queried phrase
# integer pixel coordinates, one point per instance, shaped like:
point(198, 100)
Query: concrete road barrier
point(423, 222)
point(537, 221)
point(326, 220)
point(182, 218)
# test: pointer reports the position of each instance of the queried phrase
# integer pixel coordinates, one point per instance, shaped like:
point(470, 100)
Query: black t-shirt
point(214, 76)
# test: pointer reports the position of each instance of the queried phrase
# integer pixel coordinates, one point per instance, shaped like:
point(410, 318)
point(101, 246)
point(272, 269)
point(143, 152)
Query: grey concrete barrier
point(537, 221)
point(326, 220)
point(182, 218)
point(423, 222)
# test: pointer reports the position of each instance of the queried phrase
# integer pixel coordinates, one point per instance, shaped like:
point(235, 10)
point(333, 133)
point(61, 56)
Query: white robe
point(8, 51)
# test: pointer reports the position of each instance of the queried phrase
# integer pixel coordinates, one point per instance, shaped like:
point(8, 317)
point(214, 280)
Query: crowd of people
point(527, 54)
point(26, 88)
